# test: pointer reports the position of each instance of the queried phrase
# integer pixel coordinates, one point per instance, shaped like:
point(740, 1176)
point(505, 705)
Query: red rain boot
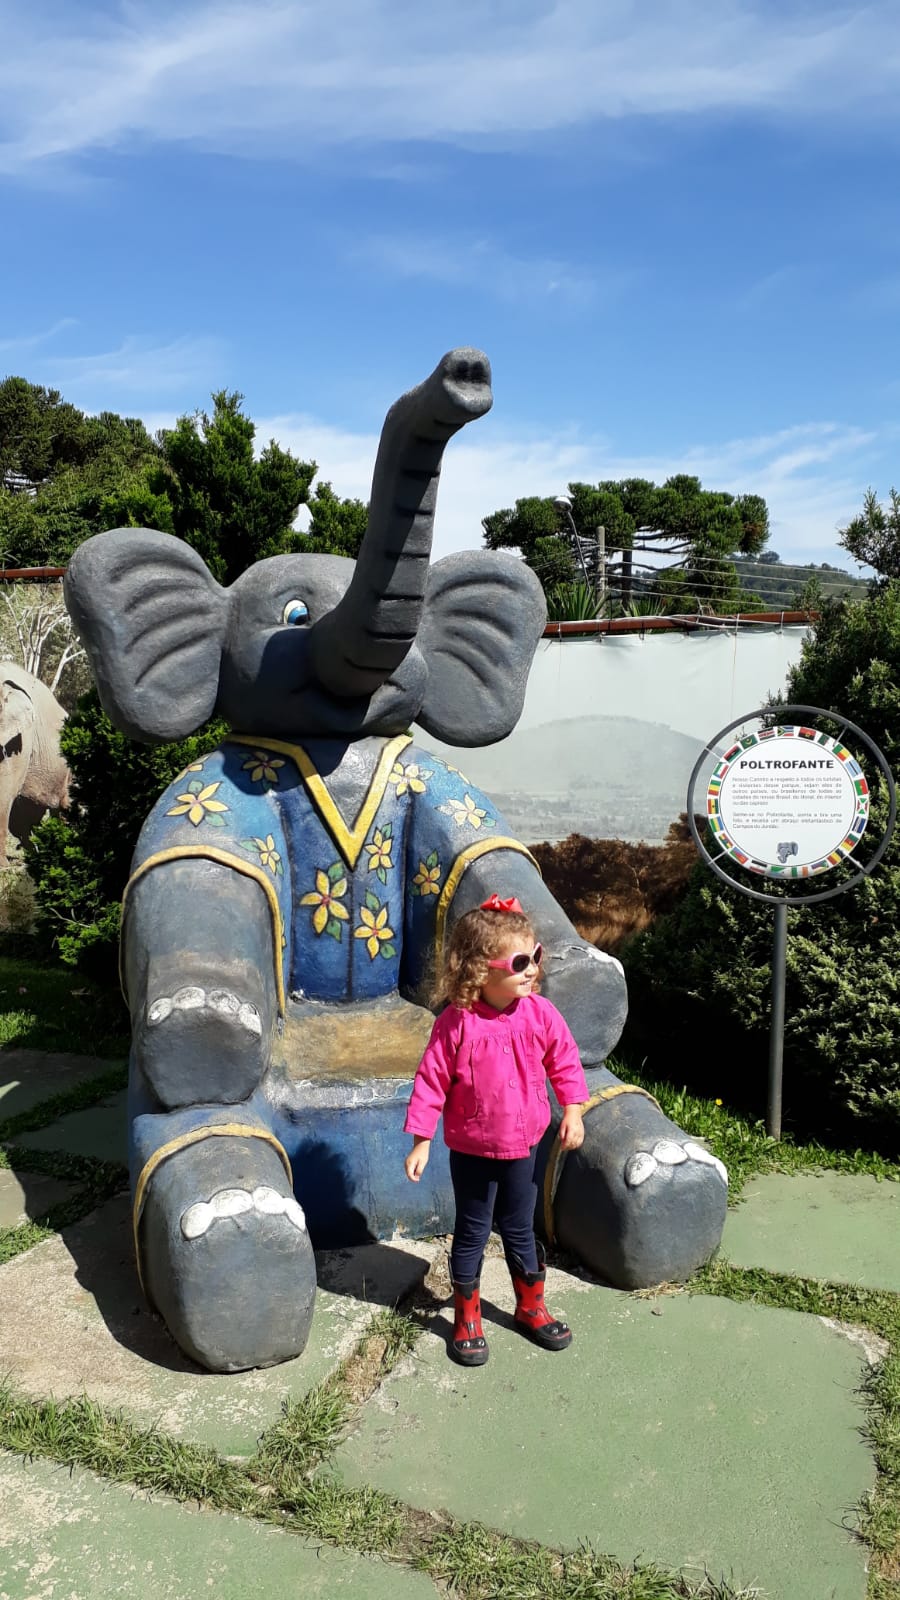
point(468, 1345)
point(532, 1315)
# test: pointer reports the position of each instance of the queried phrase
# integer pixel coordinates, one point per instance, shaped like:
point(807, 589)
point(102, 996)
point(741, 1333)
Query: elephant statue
point(290, 890)
point(34, 777)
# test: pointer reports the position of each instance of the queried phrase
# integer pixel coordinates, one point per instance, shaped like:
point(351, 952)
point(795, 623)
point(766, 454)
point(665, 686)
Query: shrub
point(79, 863)
point(17, 907)
point(700, 977)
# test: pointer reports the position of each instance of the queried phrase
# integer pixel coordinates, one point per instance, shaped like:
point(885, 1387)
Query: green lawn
point(55, 1008)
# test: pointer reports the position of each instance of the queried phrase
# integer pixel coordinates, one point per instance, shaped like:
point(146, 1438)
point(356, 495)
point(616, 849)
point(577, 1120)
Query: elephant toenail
point(706, 1158)
point(640, 1167)
point(196, 1220)
point(223, 1000)
point(159, 1010)
point(668, 1152)
point(190, 998)
point(250, 1018)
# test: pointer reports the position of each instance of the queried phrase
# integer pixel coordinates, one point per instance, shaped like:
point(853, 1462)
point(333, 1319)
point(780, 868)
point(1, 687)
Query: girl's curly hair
point(477, 938)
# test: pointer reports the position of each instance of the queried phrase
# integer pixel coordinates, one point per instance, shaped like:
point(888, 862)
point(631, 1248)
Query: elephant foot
point(224, 1034)
point(640, 1203)
point(225, 1254)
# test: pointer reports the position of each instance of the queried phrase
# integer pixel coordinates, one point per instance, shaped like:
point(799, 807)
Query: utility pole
point(600, 565)
point(626, 575)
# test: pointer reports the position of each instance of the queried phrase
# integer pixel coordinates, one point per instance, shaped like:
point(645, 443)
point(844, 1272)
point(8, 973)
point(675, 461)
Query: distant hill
point(613, 777)
point(779, 584)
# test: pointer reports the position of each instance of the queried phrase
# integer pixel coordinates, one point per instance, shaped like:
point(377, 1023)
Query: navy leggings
point(490, 1193)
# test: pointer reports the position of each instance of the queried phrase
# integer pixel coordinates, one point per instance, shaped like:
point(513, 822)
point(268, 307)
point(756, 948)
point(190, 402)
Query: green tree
point(695, 530)
point(65, 475)
point(874, 536)
point(233, 507)
point(336, 526)
point(39, 433)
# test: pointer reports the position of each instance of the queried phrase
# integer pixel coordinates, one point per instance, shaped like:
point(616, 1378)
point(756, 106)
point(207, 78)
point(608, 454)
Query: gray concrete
point(687, 1430)
point(69, 1536)
point(819, 1225)
point(28, 1077)
point(75, 1321)
point(25, 1196)
point(100, 1131)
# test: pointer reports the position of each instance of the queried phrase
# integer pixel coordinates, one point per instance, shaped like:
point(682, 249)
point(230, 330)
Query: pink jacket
point(486, 1070)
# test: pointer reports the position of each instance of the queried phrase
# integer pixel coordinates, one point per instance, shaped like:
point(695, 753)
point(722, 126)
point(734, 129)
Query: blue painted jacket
point(357, 906)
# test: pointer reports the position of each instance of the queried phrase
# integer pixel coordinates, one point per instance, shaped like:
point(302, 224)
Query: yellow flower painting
point(199, 804)
point(428, 878)
point(269, 856)
point(379, 852)
point(374, 929)
point(411, 777)
point(263, 767)
point(329, 913)
point(466, 813)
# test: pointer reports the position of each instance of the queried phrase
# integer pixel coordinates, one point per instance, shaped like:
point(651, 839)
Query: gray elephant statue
point(34, 776)
point(290, 891)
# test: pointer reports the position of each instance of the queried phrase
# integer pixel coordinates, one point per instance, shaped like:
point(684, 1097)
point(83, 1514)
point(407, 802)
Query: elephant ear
point(152, 619)
point(484, 614)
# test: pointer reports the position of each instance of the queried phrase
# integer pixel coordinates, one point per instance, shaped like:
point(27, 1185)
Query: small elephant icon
point(290, 892)
point(785, 849)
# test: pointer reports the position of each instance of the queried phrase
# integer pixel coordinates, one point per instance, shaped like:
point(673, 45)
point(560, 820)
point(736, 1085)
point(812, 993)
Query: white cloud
point(483, 265)
point(279, 78)
point(136, 367)
point(812, 476)
point(32, 341)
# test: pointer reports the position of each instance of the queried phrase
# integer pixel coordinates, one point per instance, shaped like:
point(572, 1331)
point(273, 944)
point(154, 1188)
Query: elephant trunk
point(365, 638)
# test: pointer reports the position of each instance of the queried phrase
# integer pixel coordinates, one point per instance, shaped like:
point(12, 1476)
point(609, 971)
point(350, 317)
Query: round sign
point(787, 802)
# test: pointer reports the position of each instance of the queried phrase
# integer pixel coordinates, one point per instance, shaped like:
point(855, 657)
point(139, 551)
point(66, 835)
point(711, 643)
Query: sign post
point(787, 803)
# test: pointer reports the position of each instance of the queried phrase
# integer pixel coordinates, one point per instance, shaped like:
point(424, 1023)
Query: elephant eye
point(295, 612)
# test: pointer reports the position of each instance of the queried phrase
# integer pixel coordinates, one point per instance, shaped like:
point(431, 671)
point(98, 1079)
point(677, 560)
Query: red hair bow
point(496, 904)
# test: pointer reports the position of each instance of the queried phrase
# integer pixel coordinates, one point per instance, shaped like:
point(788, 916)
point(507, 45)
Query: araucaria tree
point(690, 533)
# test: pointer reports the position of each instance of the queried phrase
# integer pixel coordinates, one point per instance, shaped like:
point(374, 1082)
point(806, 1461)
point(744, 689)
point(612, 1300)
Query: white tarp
point(613, 725)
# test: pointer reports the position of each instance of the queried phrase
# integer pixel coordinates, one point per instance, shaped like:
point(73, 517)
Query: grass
point(55, 1008)
point(289, 1481)
point(309, 1428)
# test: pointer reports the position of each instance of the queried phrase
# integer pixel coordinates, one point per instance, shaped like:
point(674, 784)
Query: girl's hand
point(571, 1129)
point(417, 1160)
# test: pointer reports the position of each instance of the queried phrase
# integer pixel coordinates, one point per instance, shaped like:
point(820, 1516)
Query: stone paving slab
point(101, 1131)
point(75, 1321)
point(29, 1076)
point(841, 1226)
point(683, 1429)
point(27, 1195)
point(70, 1536)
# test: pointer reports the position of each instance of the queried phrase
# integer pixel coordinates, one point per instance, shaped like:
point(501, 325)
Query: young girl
point(485, 1069)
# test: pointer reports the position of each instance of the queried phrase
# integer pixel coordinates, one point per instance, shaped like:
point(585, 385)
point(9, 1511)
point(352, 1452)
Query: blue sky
point(668, 223)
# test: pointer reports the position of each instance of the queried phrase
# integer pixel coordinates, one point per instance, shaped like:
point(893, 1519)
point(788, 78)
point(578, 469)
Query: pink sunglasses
point(521, 961)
